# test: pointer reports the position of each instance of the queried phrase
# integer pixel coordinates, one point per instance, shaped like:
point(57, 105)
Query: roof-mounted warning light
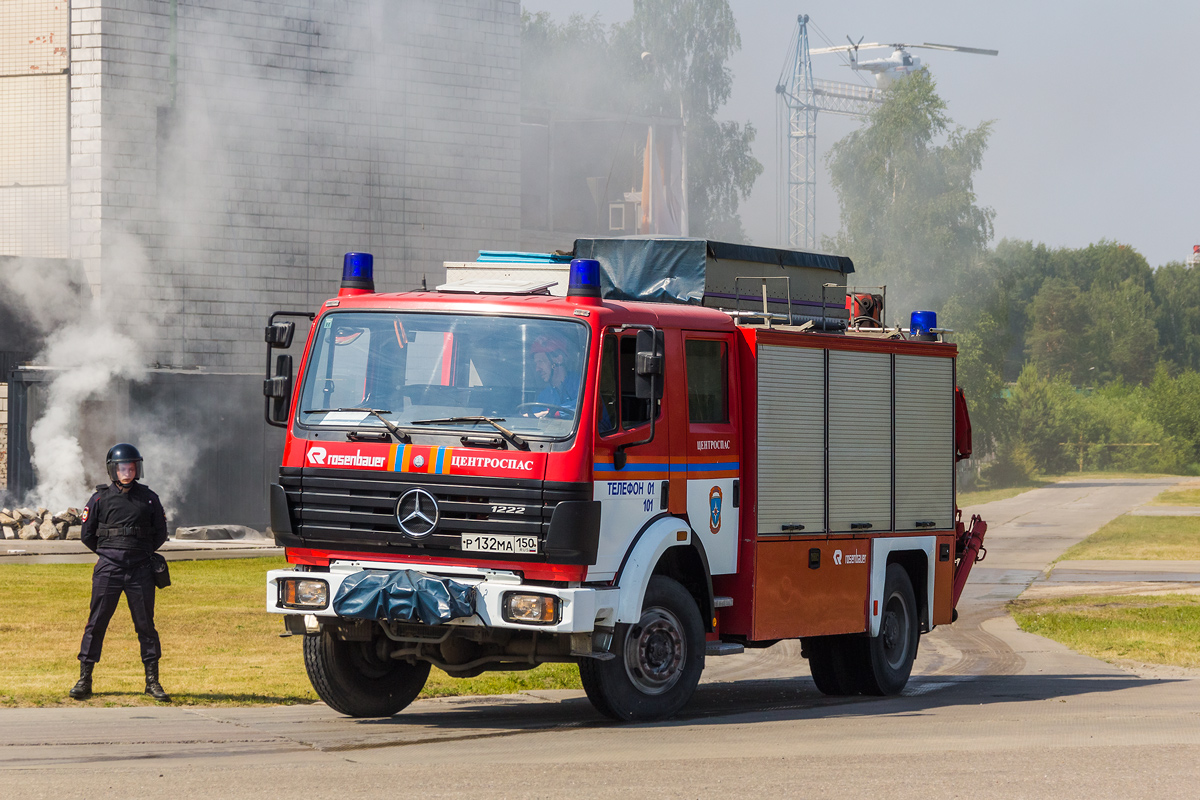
point(584, 282)
point(923, 326)
point(358, 274)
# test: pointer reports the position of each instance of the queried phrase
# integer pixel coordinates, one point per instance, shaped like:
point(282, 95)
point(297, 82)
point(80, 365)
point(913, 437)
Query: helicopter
point(899, 63)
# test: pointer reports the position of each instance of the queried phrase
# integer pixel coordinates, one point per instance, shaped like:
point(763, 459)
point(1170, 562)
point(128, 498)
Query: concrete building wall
point(207, 194)
point(33, 128)
point(3, 436)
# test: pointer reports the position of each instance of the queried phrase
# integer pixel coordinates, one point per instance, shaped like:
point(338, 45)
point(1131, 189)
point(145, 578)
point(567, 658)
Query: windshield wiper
point(517, 441)
point(400, 435)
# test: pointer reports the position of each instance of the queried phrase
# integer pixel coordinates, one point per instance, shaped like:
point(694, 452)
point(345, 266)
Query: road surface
point(991, 712)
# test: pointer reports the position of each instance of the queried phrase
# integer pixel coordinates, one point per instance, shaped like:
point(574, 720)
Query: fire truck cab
point(689, 452)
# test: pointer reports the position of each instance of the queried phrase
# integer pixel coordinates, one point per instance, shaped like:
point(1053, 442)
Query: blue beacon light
point(584, 281)
point(921, 325)
point(358, 274)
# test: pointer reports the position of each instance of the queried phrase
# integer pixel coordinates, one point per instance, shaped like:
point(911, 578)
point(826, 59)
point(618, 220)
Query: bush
point(1049, 426)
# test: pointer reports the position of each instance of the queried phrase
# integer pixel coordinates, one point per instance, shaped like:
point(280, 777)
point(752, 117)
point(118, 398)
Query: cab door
point(630, 478)
point(713, 447)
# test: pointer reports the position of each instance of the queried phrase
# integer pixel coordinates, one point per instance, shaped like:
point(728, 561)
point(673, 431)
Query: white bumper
point(582, 609)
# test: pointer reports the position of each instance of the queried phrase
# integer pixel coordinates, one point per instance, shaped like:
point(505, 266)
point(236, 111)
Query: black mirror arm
point(269, 375)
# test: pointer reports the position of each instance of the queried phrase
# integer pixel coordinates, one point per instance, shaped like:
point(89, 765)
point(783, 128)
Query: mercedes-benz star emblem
point(417, 513)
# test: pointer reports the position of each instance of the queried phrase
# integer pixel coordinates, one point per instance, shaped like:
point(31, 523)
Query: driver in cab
point(561, 391)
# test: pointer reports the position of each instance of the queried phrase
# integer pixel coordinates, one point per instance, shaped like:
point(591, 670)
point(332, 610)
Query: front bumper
point(582, 609)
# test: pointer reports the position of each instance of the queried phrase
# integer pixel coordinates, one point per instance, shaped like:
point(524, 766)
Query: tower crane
point(802, 96)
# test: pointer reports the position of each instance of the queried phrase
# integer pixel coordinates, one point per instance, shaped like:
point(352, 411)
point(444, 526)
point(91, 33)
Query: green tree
point(571, 64)
point(1056, 340)
point(690, 42)
point(1177, 292)
point(1172, 403)
point(1042, 414)
point(905, 183)
point(581, 65)
point(1121, 332)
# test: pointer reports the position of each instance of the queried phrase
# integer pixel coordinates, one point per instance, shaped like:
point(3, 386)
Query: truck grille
point(330, 508)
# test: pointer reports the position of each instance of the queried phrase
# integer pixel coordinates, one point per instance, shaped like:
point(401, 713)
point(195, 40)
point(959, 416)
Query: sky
point(1096, 131)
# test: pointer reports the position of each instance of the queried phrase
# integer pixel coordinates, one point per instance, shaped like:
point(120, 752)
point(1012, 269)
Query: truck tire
point(888, 658)
point(354, 679)
point(832, 662)
point(658, 660)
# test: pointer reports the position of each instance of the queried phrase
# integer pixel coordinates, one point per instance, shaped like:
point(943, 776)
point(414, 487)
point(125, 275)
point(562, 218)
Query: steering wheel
point(547, 410)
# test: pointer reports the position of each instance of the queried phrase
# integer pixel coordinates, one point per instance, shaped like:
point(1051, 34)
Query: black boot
point(82, 690)
point(153, 688)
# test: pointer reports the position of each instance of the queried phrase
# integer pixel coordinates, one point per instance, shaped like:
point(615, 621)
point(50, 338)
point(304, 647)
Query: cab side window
point(610, 419)
point(707, 380)
point(620, 407)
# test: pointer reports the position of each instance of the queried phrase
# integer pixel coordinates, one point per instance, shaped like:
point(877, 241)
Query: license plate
point(490, 543)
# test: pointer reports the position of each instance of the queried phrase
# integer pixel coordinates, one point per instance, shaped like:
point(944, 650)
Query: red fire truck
point(690, 451)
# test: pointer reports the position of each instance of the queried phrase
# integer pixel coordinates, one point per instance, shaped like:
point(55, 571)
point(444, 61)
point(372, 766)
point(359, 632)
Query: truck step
point(722, 602)
point(723, 649)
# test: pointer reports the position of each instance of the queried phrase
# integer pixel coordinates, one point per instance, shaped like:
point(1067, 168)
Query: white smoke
point(92, 349)
point(88, 356)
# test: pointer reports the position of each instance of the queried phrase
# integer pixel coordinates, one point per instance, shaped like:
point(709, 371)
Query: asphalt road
point(991, 712)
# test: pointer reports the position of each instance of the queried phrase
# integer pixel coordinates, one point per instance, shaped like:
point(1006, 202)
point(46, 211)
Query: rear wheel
point(360, 679)
point(833, 662)
point(888, 658)
point(658, 659)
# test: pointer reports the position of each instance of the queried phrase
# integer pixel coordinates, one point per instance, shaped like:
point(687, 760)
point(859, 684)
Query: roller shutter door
point(924, 443)
point(791, 439)
point(860, 441)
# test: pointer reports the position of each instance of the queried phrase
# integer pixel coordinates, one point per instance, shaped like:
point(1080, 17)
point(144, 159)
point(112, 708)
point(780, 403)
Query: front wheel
point(658, 659)
point(360, 679)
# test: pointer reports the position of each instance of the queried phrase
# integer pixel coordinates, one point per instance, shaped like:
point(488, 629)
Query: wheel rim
point(370, 659)
point(893, 631)
point(655, 651)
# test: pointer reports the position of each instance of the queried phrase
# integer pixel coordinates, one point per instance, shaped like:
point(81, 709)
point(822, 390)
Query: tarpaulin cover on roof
point(672, 270)
point(403, 596)
point(649, 270)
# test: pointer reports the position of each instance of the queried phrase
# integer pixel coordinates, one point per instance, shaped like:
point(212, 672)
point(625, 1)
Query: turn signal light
point(303, 593)
point(531, 609)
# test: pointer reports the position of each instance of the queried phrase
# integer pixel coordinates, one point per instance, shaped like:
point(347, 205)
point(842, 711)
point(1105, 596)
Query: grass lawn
point(1186, 495)
point(1160, 629)
point(991, 495)
point(1089, 475)
point(982, 496)
point(1163, 629)
point(1153, 538)
point(220, 647)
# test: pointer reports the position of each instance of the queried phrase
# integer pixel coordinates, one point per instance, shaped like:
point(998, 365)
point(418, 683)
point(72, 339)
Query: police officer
point(124, 524)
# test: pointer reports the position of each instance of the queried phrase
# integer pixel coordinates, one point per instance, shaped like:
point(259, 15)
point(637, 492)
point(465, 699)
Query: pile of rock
point(28, 523)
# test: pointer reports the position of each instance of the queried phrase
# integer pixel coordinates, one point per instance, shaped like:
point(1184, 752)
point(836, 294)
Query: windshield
point(425, 371)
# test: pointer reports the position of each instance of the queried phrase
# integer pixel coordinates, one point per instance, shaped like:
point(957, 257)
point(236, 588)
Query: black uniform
point(124, 526)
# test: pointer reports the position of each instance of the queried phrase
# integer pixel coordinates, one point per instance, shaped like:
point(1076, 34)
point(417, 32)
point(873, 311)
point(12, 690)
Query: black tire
point(356, 679)
point(888, 658)
point(658, 660)
point(832, 662)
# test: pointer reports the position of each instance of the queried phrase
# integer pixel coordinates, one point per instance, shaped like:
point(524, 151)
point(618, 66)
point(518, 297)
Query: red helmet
point(549, 344)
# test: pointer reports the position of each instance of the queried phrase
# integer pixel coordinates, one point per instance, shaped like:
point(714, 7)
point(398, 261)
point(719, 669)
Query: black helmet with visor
point(123, 454)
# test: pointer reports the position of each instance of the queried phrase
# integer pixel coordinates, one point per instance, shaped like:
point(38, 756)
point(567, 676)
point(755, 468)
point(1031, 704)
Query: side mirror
point(278, 390)
point(279, 334)
point(648, 365)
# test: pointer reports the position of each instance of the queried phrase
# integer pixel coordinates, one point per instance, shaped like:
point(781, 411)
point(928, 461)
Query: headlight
point(532, 609)
point(303, 593)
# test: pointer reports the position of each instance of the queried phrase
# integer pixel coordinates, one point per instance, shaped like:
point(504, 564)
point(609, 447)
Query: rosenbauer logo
point(848, 558)
point(423, 459)
point(322, 458)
